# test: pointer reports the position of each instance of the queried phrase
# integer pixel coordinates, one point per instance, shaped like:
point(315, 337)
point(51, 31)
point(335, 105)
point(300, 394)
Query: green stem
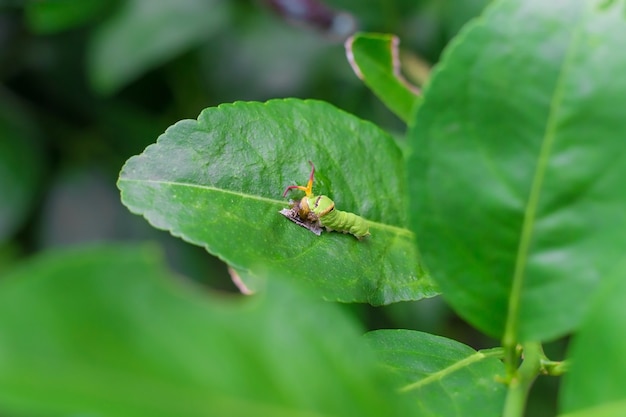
point(511, 358)
point(519, 385)
point(522, 380)
point(535, 362)
point(554, 368)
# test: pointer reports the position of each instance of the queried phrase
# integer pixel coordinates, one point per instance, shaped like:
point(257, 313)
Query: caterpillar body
point(343, 221)
point(314, 212)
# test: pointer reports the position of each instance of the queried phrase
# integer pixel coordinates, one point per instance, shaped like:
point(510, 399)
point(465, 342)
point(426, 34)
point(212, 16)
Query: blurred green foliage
point(86, 84)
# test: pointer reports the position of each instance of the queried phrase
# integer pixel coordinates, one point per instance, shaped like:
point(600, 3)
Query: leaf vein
point(530, 212)
point(377, 225)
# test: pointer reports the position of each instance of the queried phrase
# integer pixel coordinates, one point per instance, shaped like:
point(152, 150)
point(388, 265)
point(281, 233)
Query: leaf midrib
point(510, 336)
point(377, 225)
point(456, 366)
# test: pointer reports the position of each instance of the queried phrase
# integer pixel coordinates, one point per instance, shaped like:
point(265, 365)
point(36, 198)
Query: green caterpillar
point(314, 212)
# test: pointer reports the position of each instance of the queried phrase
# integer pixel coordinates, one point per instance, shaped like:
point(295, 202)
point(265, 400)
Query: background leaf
point(218, 181)
point(375, 59)
point(146, 33)
point(57, 15)
point(609, 410)
point(598, 371)
point(105, 331)
point(518, 163)
point(20, 166)
point(445, 378)
point(456, 13)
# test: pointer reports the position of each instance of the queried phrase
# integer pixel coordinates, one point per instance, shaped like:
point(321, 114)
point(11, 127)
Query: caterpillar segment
point(343, 221)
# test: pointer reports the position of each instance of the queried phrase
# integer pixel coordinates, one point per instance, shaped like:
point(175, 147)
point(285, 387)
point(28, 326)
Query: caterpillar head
point(322, 205)
point(311, 207)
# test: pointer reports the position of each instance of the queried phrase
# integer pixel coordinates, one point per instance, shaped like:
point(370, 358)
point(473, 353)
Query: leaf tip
point(350, 55)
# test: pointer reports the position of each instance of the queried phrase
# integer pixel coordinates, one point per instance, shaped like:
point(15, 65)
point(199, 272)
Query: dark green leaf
point(106, 331)
point(597, 376)
point(456, 13)
point(375, 59)
point(57, 15)
point(9, 255)
point(445, 378)
point(20, 167)
point(218, 182)
point(519, 163)
point(146, 33)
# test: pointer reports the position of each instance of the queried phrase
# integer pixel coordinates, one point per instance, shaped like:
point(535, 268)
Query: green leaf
point(444, 377)
point(20, 167)
point(518, 166)
point(107, 331)
point(145, 34)
point(9, 255)
point(217, 182)
point(58, 15)
point(617, 409)
point(375, 59)
point(597, 376)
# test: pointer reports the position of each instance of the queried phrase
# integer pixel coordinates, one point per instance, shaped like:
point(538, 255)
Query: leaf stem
point(512, 353)
point(554, 368)
point(522, 380)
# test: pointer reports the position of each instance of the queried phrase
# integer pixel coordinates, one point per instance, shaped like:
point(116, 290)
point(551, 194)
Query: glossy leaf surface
point(519, 163)
point(217, 182)
point(107, 331)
